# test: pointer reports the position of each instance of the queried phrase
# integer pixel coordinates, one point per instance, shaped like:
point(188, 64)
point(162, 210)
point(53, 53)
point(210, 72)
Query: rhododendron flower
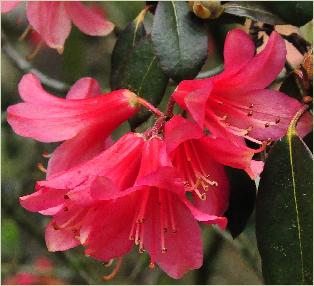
point(198, 160)
point(235, 103)
point(52, 20)
point(128, 194)
point(41, 274)
point(85, 119)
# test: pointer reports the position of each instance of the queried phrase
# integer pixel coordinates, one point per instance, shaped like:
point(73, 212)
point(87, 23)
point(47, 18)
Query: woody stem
point(170, 107)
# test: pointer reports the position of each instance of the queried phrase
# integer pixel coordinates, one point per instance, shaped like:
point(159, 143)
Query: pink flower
point(235, 104)
point(199, 160)
point(41, 274)
point(84, 119)
point(128, 194)
point(52, 20)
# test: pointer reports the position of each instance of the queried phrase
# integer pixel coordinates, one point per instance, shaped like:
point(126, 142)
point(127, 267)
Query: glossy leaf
point(241, 202)
point(297, 13)
point(253, 10)
point(180, 40)
point(126, 42)
point(284, 213)
point(143, 75)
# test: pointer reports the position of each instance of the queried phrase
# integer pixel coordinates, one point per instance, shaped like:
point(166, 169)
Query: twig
point(25, 67)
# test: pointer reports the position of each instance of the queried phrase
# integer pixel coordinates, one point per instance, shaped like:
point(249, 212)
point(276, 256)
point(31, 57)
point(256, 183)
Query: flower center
point(191, 166)
point(165, 213)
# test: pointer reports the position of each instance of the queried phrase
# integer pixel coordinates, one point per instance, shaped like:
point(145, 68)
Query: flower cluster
point(151, 189)
point(52, 20)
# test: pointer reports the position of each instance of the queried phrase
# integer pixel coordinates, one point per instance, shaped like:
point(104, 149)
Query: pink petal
point(51, 21)
point(255, 169)
point(184, 247)
point(47, 118)
point(164, 178)
point(154, 156)
point(261, 110)
point(113, 162)
point(52, 211)
point(239, 49)
point(261, 70)
point(105, 231)
point(59, 240)
point(84, 88)
point(87, 20)
point(7, 6)
point(193, 95)
point(86, 145)
point(206, 218)
point(178, 130)
point(43, 200)
point(226, 153)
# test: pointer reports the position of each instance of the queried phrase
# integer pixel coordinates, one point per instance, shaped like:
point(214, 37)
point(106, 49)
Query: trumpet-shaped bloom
point(235, 103)
point(52, 20)
point(128, 194)
point(85, 119)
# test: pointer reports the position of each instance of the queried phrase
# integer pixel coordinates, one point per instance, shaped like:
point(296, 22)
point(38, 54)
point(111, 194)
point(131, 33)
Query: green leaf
point(126, 42)
point(180, 40)
point(291, 87)
point(284, 212)
point(10, 239)
point(297, 13)
point(143, 75)
point(241, 202)
point(252, 10)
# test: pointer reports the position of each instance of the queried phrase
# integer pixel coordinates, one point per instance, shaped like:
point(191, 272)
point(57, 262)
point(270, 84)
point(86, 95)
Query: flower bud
point(206, 9)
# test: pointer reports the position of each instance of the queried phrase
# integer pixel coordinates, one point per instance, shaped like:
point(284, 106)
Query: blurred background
point(24, 254)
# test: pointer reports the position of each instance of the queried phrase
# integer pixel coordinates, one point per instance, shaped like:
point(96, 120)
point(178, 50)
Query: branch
point(25, 67)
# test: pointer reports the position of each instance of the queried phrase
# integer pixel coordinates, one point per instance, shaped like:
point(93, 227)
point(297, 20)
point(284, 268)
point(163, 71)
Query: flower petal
point(43, 200)
point(86, 145)
point(113, 163)
point(206, 218)
point(47, 118)
point(261, 70)
point(178, 130)
point(87, 20)
point(239, 49)
point(51, 21)
point(59, 240)
point(266, 113)
point(84, 88)
point(184, 247)
point(226, 153)
point(105, 231)
point(192, 95)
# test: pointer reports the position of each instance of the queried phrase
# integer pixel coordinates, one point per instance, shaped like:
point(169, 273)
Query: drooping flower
point(52, 20)
point(235, 103)
point(198, 159)
point(85, 119)
point(128, 194)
